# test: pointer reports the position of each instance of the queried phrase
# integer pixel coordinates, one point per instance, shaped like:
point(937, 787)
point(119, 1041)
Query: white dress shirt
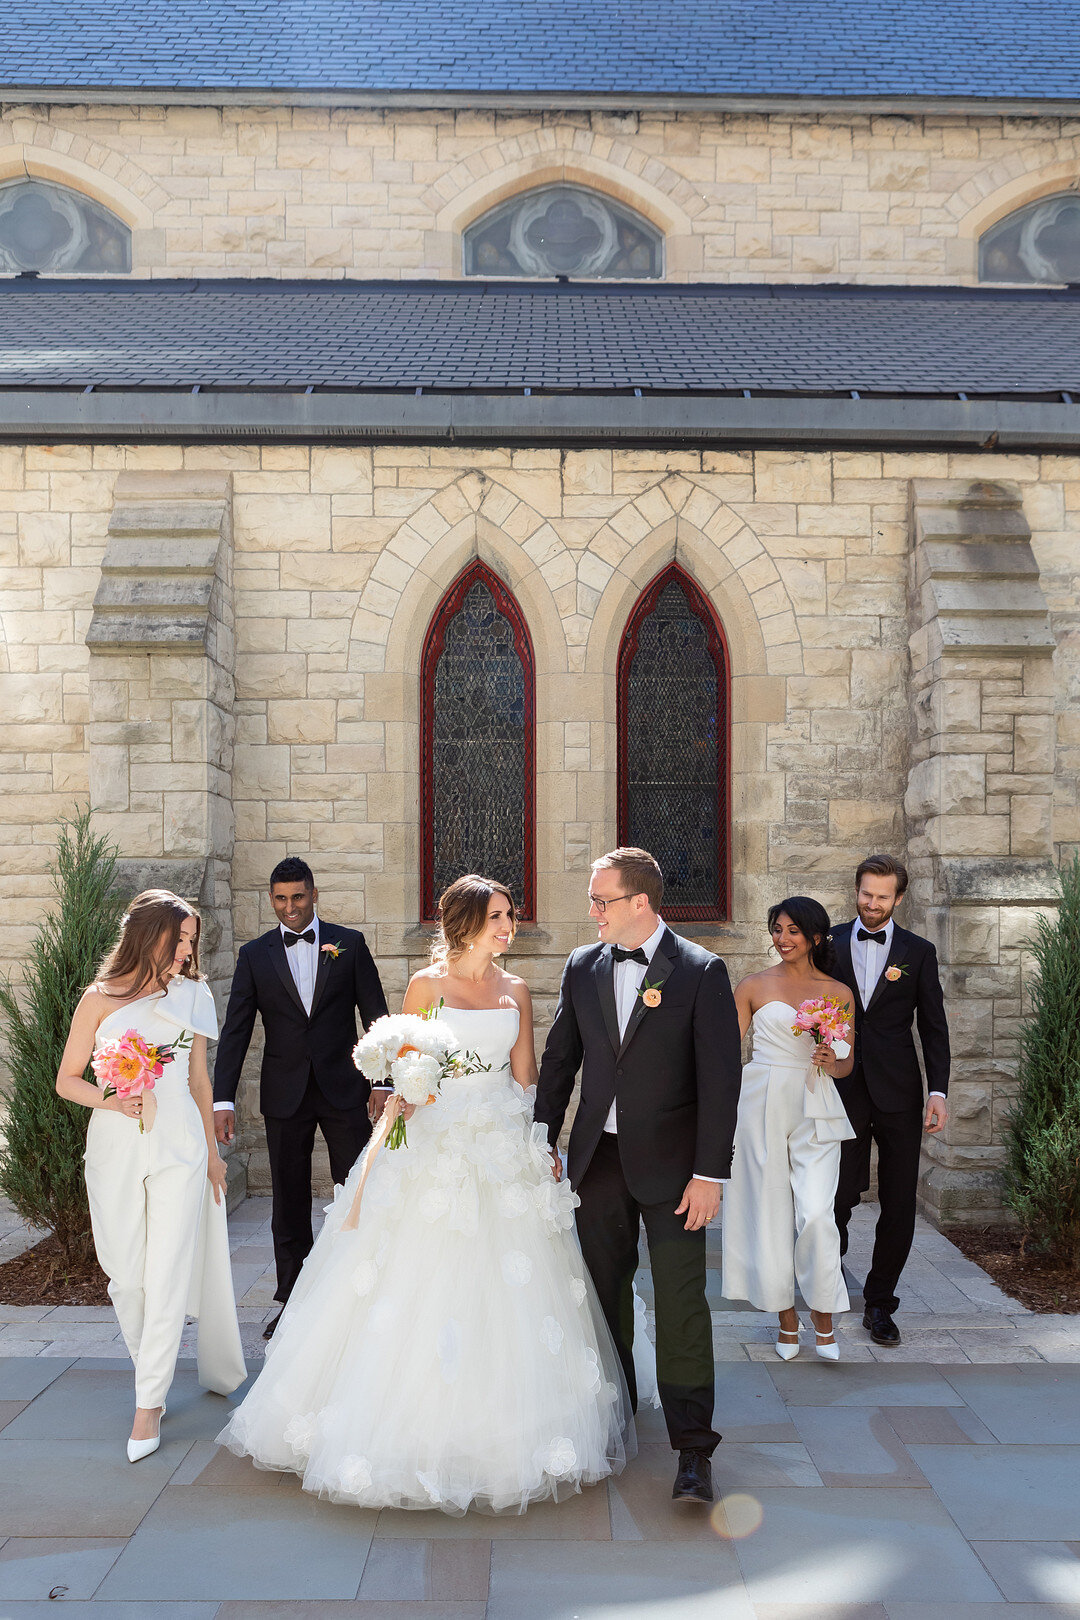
point(869, 960)
point(303, 960)
point(629, 978)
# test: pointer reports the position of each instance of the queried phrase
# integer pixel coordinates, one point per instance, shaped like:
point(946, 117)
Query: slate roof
point(1023, 49)
point(507, 337)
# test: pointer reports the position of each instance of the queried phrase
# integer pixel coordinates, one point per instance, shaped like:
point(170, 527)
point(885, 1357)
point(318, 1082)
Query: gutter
point(553, 100)
point(32, 416)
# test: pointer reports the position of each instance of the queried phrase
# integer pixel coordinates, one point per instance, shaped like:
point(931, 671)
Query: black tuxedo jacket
point(885, 1057)
point(674, 1076)
point(297, 1044)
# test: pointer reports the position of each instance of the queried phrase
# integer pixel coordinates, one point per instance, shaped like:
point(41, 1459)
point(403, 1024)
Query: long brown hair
point(149, 935)
point(463, 909)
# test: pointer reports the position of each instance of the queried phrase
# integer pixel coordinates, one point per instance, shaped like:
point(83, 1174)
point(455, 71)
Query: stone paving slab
point(887, 1494)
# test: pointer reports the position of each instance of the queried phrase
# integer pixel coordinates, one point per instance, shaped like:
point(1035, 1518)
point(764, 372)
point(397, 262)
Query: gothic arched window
point(47, 227)
point(478, 751)
point(1039, 242)
point(673, 686)
point(563, 231)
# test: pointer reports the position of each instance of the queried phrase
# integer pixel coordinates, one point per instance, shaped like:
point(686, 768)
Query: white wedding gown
point(449, 1352)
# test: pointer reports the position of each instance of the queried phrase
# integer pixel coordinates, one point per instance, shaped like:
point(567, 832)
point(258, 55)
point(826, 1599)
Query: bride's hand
point(130, 1107)
point(216, 1174)
point(825, 1058)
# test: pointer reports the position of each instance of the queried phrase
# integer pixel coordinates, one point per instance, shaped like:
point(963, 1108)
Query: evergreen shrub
point(41, 1162)
point(1042, 1172)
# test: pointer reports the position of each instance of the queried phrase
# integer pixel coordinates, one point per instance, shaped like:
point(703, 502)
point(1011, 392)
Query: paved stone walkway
point(915, 1484)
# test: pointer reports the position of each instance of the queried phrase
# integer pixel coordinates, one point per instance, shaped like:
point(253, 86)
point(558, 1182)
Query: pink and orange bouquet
point(825, 1020)
point(130, 1065)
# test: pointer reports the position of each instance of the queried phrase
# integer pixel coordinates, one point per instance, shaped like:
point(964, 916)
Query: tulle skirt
point(450, 1352)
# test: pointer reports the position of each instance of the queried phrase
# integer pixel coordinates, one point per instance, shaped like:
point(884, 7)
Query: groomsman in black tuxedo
point(307, 979)
point(650, 1020)
point(894, 975)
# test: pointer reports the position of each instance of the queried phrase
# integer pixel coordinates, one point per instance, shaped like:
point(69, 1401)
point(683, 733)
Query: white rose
point(551, 1334)
point(354, 1475)
point(516, 1268)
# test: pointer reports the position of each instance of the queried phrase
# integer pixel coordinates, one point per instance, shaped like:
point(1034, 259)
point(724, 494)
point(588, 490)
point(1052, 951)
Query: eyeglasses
point(602, 905)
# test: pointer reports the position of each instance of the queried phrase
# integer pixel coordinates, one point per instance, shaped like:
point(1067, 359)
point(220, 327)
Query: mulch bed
point(1037, 1281)
point(40, 1276)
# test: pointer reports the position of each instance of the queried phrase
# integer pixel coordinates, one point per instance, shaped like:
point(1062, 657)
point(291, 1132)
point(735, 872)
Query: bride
point(450, 1351)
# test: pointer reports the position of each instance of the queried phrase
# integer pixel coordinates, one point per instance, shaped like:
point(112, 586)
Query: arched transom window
point(563, 231)
point(1040, 242)
point(478, 741)
point(673, 744)
point(47, 227)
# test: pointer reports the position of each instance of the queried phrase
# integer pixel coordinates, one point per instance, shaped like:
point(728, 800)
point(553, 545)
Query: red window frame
point(434, 642)
point(720, 909)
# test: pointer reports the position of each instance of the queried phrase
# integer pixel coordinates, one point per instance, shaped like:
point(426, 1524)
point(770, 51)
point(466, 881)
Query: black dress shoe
point(693, 1482)
point(268, 1330)
point(883, 1330)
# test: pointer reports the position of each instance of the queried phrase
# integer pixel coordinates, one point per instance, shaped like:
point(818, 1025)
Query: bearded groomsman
point(306, 979)
point(894, 975)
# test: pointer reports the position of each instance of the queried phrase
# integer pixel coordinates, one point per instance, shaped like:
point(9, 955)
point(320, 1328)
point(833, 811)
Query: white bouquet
point(414, 1052)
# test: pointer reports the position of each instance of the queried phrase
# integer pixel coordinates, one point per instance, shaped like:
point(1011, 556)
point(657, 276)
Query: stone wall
point(739, 196)
point(329, 564)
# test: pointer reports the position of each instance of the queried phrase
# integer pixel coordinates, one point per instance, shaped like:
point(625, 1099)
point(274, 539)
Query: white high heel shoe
point(138, 1449)
point(830, 1350)
point(787, 1352)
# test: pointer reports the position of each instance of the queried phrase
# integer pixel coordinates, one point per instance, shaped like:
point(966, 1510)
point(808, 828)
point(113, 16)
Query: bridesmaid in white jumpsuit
point(778, 1206)
point(157, 1195)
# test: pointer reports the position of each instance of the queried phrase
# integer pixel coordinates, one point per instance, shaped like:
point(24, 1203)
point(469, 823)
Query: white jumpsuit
point(160, 1237)
point(779, 1225)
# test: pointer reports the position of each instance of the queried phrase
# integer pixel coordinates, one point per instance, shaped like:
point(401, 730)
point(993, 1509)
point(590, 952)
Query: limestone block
point(860, 822)
point(969, 835)
point(947, 784)
point(311, 721)
point(271, 675)
point(973, 934)
point(186, 823)
point(31, 698)
point(956, 705)
point(1033, 742)
point(285, 523)
point(1030, 815)
point(108, 777)
point(818, 692)
point(779, 476)
point(261, 772)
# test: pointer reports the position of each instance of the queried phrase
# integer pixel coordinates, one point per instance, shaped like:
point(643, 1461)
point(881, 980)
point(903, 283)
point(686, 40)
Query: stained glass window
point(1040, 242)
point(673, 731)
point(563, 231)
point(478, 750)
point(47, 227)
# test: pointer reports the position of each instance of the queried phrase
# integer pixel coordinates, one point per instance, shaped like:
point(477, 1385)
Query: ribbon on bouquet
point(375, 1146)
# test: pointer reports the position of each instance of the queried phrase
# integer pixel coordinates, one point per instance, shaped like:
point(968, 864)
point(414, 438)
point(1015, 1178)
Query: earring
point(470, 947)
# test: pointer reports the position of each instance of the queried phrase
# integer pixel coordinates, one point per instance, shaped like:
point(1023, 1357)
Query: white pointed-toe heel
point(830, 1350)
point(138, 1449)
point(787, 1344)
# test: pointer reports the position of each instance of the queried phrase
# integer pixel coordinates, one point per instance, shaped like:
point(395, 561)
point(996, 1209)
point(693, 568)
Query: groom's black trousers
point(898, 1134)
point(608, 1225)
point(289, 1144)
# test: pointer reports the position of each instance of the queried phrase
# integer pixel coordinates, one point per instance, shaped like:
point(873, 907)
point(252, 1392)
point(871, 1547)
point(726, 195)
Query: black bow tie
point(878, 939)
point(291, 939)
point(629, 956)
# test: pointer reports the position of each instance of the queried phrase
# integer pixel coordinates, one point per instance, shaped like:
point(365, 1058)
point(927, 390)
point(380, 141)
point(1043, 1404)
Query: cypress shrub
point(1042, 1172)
point(41, 1163)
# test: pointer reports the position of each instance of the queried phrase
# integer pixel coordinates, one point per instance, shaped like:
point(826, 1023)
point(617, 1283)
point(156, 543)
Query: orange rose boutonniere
point(332, 951)
point(650, 994)
point(895, 971)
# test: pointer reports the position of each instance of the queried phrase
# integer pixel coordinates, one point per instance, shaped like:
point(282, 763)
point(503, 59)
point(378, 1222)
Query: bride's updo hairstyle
point(463, 910)
point(811, 919)
point(149, 935)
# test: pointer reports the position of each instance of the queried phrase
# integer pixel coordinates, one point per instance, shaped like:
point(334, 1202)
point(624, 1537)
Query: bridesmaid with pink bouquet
point(154, 1178)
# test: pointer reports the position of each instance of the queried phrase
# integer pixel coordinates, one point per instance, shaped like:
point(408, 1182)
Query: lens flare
point(737, 1516)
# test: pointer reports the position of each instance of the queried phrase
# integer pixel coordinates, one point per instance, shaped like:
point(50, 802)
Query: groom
point(651, 1018)
point(307, 979)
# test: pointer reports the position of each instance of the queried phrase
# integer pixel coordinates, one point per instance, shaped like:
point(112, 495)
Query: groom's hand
point(556, 1163)
point(700, 1203)
point(937, 1115)
point(224, 1124)
point(380, 1095)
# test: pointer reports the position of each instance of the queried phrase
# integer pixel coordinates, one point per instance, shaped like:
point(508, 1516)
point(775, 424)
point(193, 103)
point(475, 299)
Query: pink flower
point(822, 1018)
